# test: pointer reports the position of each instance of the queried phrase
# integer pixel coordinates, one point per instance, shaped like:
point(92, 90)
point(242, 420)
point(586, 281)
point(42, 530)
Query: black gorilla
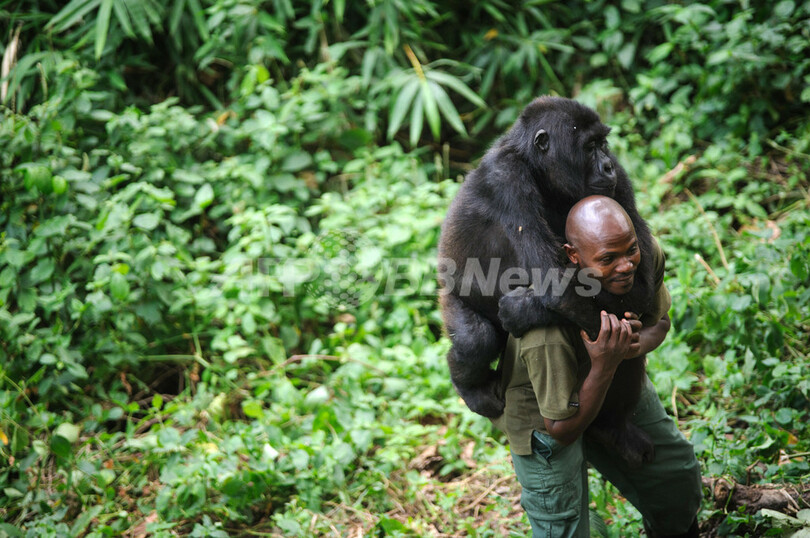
point(505, 229)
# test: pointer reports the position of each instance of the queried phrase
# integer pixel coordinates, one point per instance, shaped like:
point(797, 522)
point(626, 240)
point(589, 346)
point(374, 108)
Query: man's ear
point(572, 253)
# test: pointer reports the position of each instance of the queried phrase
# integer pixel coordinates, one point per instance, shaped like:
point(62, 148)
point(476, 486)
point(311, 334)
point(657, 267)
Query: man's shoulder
point(659, 257)
point(560, 335)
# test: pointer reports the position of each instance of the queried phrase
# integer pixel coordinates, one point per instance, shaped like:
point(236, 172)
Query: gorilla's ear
point(541, 140)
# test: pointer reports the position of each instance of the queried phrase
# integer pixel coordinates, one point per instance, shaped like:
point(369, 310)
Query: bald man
point(555, 380)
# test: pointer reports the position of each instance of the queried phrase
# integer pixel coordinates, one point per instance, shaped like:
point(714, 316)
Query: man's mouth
point(624, 280)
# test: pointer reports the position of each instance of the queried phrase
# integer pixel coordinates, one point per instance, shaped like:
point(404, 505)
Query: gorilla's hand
point(521, 310)
point(570, 306)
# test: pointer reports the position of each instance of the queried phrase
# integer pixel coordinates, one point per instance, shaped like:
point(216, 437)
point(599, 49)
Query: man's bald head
point(591, 215)
point(601, 237)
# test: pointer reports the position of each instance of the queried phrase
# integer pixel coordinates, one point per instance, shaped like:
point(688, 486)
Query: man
point(555, 380)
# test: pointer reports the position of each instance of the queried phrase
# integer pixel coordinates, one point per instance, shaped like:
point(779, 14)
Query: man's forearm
point(591, 397)
point(651, 337)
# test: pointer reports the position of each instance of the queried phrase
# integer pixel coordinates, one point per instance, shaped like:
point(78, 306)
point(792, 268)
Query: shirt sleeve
point(552, 369)
point(662, 300)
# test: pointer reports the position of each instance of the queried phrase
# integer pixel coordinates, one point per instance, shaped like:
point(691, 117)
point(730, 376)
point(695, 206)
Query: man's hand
point(612, 345)
point(647, 338)
point(635, 326)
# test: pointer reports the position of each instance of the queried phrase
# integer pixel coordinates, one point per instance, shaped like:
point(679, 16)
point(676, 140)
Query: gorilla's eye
point(601, 145)
point(541, 140)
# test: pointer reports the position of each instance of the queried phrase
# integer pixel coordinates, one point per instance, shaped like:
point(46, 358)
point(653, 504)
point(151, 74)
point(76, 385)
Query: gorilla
point(502, 268)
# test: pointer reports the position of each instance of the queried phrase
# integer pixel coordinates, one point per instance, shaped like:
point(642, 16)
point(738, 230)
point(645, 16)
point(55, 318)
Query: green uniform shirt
point(543, 371)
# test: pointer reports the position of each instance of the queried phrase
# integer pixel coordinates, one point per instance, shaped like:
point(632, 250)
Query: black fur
point(511, 211)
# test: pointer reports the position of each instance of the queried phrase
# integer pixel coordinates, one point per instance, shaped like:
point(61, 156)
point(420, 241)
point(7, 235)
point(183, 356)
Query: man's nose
point(626, 265)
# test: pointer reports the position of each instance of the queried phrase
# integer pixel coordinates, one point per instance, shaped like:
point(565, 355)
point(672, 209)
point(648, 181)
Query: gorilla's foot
point(629, 441)
point(484, 399)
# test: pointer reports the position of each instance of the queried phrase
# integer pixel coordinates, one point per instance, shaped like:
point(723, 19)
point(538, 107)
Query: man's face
point(612, 252)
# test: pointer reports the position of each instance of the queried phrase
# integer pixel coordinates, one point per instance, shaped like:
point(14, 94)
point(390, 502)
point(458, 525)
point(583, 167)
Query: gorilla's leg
point(693, 532)
point(612, 428)
point(476, 343)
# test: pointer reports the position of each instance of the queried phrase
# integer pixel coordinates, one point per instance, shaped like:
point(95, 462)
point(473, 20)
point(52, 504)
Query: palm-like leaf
point(421, 94)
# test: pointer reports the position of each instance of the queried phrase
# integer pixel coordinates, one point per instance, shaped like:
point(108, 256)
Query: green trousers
point(666, 491)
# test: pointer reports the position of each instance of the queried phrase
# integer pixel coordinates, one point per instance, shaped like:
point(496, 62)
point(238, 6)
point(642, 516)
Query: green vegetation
point(218, 222)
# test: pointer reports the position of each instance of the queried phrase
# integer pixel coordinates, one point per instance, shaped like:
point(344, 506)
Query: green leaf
point(103, 25)
point(784, 416)
point(494, 11)
point(340, 9)
point(60, 446)
point(19, 440)
point(55, 226)
point(457, 85)
point(71, 14)
point(431, 110)
point(598, 525)
point(84, 519)
point(119, 287)
point(7, 277)
point(68, 431)
point(799, 265)
point(174, 19)
point(8, 528)
point(13, 493)
point(252, 408)
point(197, 12)
point(784, 9)
point(659, 53)
point(15, 258)
point(417, 120)
point(146, 221)
point(296, 161)
point(779, 517)
point(204, 196)
point(139, 19)
point(42, 271)
point(626, 55)
point(24, 67)
point(59, 184)
point(390, 526)
point(122, 17)
point(447, 109)
point(401, 107)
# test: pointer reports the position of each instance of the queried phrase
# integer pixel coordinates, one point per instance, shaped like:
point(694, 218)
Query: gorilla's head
point(565, 144)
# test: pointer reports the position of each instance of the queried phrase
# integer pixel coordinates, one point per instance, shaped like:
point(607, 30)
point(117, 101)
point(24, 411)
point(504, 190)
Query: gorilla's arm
point(517, 205)
point(523, 309)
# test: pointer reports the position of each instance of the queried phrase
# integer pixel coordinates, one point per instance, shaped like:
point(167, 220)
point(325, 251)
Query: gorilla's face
point(566, 144)
point(602, 178)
